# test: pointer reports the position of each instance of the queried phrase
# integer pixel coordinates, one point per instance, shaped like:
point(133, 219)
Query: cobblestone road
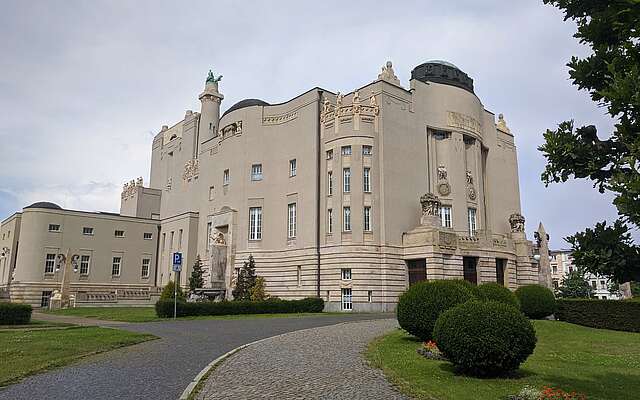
point(318, 363)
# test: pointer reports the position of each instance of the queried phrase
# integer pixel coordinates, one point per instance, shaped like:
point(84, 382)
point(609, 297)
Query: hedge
point(14, 314)
point(497, 292)
point(164, 308)
point(605, 314)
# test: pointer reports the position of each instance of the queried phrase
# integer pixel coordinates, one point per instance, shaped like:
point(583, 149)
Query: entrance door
point(470, 269)
point(417, 270)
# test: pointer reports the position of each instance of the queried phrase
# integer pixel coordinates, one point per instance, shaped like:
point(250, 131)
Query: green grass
point(35, 324)
point(148, 314)
point(603, 364)
point(25, 352)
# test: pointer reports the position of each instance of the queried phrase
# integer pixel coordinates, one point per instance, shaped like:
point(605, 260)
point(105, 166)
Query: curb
point(192, 385)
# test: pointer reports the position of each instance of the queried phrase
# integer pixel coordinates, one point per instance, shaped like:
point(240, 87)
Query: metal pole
point(175, 294)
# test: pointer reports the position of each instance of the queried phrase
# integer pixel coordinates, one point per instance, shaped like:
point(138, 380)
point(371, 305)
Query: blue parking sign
point(177, 262)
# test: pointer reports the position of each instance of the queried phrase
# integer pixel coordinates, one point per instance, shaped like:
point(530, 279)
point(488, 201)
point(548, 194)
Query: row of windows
point(85, 261)
point(445, 216)
point(346, 181)
point(256, 172)
point(8, 235)
point(89, 231)
point(346, 151)
point(171, 237)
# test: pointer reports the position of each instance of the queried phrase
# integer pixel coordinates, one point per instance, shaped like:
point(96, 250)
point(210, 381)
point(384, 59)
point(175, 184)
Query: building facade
point(349, 197)
point(562, 264)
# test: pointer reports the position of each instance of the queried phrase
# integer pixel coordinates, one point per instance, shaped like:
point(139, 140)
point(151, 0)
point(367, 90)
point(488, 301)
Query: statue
point(139, 181)
point(356, 97)
point(388, 74)
point(517, 222)
point(430, 204)
point(372, 99)
point(544, 267)
point(219, 239)
point(469, 178)
point(339, 100)
point(442, 172)
point(502, 125)
point(326, 106)
point(212, 79)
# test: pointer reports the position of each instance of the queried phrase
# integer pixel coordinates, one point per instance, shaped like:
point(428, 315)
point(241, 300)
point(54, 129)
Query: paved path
point(159, 369)
point(319, 363)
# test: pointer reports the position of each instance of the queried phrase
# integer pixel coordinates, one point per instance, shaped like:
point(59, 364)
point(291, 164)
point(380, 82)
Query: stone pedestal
point(218, 265)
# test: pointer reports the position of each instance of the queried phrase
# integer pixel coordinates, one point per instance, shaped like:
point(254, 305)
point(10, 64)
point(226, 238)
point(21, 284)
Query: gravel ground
point(159, 369)
point(318, 363)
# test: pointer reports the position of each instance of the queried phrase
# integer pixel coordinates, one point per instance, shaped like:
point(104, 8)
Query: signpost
point(177, 267)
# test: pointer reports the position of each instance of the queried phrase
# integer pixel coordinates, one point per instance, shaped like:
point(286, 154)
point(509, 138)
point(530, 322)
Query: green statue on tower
point(211, 78)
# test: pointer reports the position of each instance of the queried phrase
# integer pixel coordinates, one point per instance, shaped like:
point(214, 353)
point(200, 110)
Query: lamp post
point(66, 262)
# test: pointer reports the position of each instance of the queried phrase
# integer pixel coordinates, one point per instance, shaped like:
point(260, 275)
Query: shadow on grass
point(448, 367)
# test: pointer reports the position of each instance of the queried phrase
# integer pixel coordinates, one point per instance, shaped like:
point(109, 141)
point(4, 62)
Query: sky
point(84, 86)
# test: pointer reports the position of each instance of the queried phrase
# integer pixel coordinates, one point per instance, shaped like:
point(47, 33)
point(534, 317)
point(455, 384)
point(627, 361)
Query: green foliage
point(14, 314)
point(421, 305)
point(196, 280)
point(259, 290)
point(474, 289)
point(536, 301)
point(168, 292)
point(635, 289)
point(605, 314)
point(245, 281)
point(497, 292)
point(574, 285)
point(485, 338)
point(164, 308)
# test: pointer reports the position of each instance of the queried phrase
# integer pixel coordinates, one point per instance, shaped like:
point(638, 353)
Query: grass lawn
point(27, 351)
point(603, 364)
point(148, 314)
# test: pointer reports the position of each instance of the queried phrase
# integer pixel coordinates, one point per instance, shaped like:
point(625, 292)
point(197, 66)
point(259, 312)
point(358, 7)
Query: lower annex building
point(349, 197)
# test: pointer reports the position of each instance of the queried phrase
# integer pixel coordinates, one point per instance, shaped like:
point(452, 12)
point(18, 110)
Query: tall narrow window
point(347, 304)
point(171, 241)
point(299, 276)
point(329, 154)
point(180, 239)
point(255, 223)
point(472, 221)
point(346, 150)
point(366, 180)
point(346, 179)
point(330, 183)
point(370, 296)
point(329, 221)
point(84, 264)
point(346, 219)
point(445, 216)
point(367, 219)
point(209, 227)
point(346, 274)
point(164, 239)
point(226, 177)
point(256, 172)
point(291, 220)
point(115, 266)
point(293, 167)
point(49, 263)
point(145, 267)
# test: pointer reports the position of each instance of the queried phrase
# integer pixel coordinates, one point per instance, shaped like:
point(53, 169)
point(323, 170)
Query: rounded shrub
point(14, 313)
point(474, 289)
point(536, 301)
point(497, 292)
point(485, 338)
point(419, 307)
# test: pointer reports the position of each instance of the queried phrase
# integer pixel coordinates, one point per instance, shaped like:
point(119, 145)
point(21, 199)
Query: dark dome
point(444, 72)
point(45, 204)
point(246, 103)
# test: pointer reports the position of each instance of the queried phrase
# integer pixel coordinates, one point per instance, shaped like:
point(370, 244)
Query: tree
point(574, 285)
point(259, 290)
point(168, 292)
point(195, 280)
point(611, 75)
point(246, 280)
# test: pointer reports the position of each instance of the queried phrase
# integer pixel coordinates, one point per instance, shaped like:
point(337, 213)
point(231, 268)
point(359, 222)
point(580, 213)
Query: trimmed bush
point(485, 338)
point(14, 314)
point(168, 292)
point(474, 289)
point(605, 314)
point(536, 301)
point(421, 305)
point(164, 308)
point(497, 292)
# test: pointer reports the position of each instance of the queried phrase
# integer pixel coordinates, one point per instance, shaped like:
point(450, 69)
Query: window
point(370, 296)
point(329, 154)
point(211, 193)
point(208, 235)
point(346, 150)
point(225, 177)
point(171, 240)
point(366, 150)
point(347, 304)
point(603, 285)
point(84, 264)
point(291, 220)
point(603, 297)
point(366, 180)
point(256, 172)
point(555, 269)
point(367, 219)
point(346, 274)
point(49, 263)
point(54, 228)
point(594, 285)
point(472, 221)
point(118, 234)
point(293, 167)
point(44, 300)
point(255, 223)
point(347, 219)
point(145, 267)
point(87, 231)
point(115, 266)
point(445, 216)
point(299, 276)
point(346, 175)
point(330, 183)
point(555, 284)
point(329, 221)
point(147, 236)
point(164, 237)
point(441, 135)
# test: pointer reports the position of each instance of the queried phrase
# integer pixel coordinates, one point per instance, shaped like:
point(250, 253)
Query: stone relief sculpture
point(169, 183)
point(442, 172)
point(430, 204)
point(372, 100)
point(339, 100)
point(469, 178)
point(517, 222)
point(218, 258)
point(219, 239)
point(388, 74)
point(129, 188)
point(191, 170)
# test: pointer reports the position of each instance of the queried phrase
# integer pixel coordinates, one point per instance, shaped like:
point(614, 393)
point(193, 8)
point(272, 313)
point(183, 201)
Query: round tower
point(210, 108)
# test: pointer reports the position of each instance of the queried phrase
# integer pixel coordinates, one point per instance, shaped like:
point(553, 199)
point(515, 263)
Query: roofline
point(91, 213)
point(14, 215)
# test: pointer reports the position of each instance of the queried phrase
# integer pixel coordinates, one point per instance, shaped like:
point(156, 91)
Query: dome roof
point(246, 103)
point(45, 204)
point(444, 72)
point(447, 63)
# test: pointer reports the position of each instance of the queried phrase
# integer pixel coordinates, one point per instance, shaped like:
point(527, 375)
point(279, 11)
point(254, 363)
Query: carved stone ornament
point(231, 129)
point(191, 170)
point(517, 222)
point(5, 252)
point(129, 188)
point(469, 178)
point(502, 124)
point(169, 183)
point(430, 204)
point(442, 173)
point(357, 110)
point(219, 239)
point(387, 74)
point(444, 189)
point(472, 193)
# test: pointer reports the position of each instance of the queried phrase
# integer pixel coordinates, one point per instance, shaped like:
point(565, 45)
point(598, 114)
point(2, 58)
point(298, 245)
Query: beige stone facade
point(324, 190)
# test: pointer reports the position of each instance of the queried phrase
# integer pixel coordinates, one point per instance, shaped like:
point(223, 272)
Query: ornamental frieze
point(356, 112)
point(231, 129)
point(463, 121)
point(129, 189)
point(279, 119)
point(191, 170)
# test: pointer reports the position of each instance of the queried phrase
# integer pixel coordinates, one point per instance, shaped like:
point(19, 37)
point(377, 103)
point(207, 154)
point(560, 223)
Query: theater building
point(350, 197)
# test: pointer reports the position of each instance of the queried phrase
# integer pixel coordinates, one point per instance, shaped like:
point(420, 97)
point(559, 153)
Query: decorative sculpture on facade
point(469, 178)
point(169, 183)
point(471, 191)
point(191, 170)
point(372, 100)
point(129, 188)
point(443, 187)
point(502, 124)
point(219, 239)
point(517, 222)
point(430, 204)
point(388, 74)
point(212, 79)
point(442, 173)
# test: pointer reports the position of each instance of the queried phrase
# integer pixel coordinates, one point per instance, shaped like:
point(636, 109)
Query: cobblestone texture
point(318, 363)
